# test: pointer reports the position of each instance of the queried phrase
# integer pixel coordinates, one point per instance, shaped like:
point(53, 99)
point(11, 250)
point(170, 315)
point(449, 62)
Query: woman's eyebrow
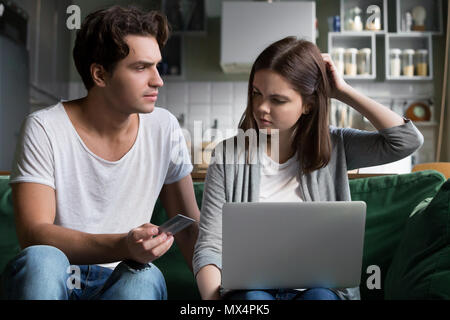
point(279, 96)
point(275, 95)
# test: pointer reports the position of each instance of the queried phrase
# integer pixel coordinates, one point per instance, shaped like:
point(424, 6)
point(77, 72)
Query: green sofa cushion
point(421, 266)
point(390, 200)
point(9, 245)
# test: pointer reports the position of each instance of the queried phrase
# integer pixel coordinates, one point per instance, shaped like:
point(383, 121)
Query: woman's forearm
point(208, 281)
point(380, 116)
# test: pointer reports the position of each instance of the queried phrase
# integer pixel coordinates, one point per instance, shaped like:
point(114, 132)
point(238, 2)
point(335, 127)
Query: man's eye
point(140, 68)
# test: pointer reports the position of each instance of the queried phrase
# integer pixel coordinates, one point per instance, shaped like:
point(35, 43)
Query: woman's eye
point(256, 93)
point(276, 101)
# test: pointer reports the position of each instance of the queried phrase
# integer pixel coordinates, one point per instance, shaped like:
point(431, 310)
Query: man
point(88, 173)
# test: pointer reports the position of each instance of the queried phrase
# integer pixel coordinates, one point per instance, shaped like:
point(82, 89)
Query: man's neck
point(97, 117)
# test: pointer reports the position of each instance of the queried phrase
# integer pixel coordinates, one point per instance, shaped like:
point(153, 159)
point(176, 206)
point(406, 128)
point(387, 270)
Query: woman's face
point(276, 105)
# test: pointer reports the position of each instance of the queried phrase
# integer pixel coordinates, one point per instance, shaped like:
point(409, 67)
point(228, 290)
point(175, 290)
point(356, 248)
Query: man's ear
point(98, 74)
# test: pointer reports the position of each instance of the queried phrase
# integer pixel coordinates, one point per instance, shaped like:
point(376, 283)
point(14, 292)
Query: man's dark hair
point(101, 38)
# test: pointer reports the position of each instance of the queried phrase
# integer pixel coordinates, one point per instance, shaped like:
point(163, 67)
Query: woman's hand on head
point(337, 83)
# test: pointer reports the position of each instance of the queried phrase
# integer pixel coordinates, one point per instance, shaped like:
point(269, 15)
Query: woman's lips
point(265, 122)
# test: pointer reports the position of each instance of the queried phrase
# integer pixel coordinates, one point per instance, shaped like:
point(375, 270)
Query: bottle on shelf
point(364, 61)
point(422, 62)
point(408, 62)
point(350, 61)
point(337, 55)
point(395, 62)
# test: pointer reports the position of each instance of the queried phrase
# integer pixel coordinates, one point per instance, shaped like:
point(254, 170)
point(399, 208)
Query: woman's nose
point(264, 107)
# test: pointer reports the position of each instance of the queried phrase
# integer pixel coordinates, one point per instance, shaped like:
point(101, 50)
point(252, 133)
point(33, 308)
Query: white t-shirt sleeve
point(34, 161)
point(180, 161)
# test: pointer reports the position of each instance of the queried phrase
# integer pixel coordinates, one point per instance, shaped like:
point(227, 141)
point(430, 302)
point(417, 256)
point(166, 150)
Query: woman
point(289, 89)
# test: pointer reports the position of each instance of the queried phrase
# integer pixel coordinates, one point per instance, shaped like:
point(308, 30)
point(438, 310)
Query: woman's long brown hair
point(299, 62)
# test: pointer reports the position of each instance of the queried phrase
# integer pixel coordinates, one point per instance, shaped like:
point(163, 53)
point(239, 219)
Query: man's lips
point(152, 96)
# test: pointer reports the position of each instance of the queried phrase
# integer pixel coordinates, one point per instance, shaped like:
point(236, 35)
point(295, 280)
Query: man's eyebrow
point(144, 63)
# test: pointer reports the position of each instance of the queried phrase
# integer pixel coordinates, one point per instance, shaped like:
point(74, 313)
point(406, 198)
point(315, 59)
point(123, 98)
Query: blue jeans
point(284, 294)
point(44, 273)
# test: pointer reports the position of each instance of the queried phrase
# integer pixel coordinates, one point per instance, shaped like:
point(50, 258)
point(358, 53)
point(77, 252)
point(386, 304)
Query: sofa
point(406, 246)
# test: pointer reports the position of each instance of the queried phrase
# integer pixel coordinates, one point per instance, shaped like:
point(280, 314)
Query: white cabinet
point(248, 27)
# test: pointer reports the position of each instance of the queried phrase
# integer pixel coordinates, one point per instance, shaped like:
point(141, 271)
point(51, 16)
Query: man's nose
point(156, 80)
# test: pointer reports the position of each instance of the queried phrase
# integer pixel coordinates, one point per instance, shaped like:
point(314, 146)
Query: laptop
point(292, 245)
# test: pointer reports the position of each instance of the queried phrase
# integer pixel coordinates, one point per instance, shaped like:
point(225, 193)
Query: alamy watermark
point(232, 146)
point(74, 280)
point(73, 22)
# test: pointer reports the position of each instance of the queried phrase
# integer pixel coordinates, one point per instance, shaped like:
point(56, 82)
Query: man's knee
point(44, 258)
point(36, 272)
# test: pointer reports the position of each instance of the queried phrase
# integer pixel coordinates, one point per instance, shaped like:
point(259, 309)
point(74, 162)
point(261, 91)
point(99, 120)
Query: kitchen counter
point(199, 175)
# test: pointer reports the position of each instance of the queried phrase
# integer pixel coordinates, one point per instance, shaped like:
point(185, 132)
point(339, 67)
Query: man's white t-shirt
point(94, 195)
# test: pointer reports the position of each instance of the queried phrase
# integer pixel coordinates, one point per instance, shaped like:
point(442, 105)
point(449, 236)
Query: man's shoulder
point(47, 114)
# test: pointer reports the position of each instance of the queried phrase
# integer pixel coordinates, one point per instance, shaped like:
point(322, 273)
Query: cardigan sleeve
point(372, 148)
point(208, 248)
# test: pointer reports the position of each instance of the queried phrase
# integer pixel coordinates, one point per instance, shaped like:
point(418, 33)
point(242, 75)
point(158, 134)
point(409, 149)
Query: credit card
point(176, 224)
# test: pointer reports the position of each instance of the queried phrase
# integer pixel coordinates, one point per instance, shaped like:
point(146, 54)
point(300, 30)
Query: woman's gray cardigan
point(227, 181)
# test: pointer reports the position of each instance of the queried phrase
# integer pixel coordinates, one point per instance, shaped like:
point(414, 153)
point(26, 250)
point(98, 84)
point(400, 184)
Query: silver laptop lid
point(292, 245)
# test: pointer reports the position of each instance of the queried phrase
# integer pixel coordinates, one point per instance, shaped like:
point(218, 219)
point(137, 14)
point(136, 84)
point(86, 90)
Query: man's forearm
point(186, 242)
point(79, 247)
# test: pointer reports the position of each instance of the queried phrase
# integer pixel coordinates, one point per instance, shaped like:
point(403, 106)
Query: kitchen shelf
point(400, 39)
point(433, 20)
point(185, 16)
point(346, 5)
point(409, 41)
point(172, 63)
point(357, 40)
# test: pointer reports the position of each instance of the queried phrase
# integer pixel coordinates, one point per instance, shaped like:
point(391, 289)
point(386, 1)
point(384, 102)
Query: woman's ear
point(306, 108)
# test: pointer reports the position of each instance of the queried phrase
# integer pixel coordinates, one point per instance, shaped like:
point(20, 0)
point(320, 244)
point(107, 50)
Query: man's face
point(133, 85)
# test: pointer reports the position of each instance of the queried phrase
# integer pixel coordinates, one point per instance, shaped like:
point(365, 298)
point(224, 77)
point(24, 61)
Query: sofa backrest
point(389, 199)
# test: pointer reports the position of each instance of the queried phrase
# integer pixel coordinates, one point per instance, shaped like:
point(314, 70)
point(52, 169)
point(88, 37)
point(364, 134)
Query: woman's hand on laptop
point(145, 245)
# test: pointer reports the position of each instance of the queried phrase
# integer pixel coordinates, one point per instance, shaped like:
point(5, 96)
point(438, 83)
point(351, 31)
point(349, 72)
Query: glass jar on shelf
point(422, 62)
point(364, 59)
point(337, 55)
point(408, 62)
point(395, 62)
point(350, 61)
